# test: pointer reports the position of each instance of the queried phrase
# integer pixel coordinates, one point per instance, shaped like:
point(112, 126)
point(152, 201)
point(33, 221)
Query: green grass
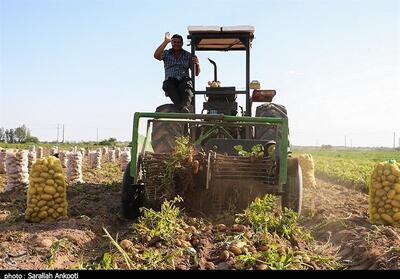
point(348, 166)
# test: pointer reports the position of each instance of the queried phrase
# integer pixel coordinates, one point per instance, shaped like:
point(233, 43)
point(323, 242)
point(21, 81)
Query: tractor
point(220, 174)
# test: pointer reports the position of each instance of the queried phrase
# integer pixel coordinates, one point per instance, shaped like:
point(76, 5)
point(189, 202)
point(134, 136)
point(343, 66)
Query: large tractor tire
point(164, 134)
point(270, 110)
point(132, 197)
point(293, 190)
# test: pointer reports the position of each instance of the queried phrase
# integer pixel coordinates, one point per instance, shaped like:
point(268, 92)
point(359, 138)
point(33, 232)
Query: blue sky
point(89, 64)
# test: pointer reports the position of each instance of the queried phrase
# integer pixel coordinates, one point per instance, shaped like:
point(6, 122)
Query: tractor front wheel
point(132, 196)
point(293, 195)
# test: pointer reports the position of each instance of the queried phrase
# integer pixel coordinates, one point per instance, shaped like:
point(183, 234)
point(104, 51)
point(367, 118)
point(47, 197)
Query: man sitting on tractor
point(177, 62)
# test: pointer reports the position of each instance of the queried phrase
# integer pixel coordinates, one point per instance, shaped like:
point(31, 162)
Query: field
point(333, 231)
point(351, 167)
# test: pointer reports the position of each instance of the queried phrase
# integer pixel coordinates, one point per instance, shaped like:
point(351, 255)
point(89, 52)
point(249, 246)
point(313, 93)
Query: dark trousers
point(180, 91)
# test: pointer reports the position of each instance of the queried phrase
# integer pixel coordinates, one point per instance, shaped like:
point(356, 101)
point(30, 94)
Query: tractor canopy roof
point(221, 38)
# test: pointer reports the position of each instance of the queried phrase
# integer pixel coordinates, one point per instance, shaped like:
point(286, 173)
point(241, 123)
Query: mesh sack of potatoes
point(111, 156)
point(39, 153)
point(47, 197)
point(53, 150)
point(83, 151)
point(3, 153)
point(95, 160)
point(384, 194)
point(117, 153)
point(307, 167)
point(17, 174)
point(32, 148)
point(124, 159)
point(63, 158)
point(31, 158)
point(74, 168)
point(104, 151)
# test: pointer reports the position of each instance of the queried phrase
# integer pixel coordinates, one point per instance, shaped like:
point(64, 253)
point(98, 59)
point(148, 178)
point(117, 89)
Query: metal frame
point(244, 37)
point(219, 119)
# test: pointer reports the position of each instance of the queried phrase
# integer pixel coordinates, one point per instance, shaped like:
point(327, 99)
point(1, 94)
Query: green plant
point(162, 224)
point(183, 152)
point(256, 151)
point(54, 249)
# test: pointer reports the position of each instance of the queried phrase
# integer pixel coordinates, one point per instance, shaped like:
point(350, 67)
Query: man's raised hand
point(167, 37)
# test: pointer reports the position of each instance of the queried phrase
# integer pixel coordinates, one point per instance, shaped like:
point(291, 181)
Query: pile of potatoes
point(47, 197)
point(17, 169)
point(111, 156)
point(124, 159)
point(384, 194)
point(3, 160)
point(39, 153)
point(307, 166)
point(62, 155)
point(95, 159)
point(31, 158)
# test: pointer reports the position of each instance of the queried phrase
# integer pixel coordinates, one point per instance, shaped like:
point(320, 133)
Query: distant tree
point(10, 136)
point(110, 142)
point(31, 139)
point(21, 133)
point(326, 146)
point(2, 135)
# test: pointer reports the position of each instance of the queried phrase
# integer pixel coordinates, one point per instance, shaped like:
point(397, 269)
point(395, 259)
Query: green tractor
point(217, 177)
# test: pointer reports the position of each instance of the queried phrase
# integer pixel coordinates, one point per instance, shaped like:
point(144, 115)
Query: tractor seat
point(224, 93)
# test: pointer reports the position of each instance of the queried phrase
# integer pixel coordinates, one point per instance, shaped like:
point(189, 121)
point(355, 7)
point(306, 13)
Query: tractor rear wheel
point(270, 132)
point(293, 195)
point(132, 196)
point(164, 134)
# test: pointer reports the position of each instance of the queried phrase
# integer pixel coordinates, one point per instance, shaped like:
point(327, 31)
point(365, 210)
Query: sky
point(88, 64)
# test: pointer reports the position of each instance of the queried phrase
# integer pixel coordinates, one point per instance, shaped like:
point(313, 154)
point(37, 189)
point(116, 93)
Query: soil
point(336, 216)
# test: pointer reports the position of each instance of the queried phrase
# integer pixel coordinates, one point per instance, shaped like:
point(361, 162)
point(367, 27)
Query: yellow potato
point(36, 209)
point(60, 189)
point(60, 210)
point(396, 187)
point(386, 188)
point(41, 203)
point(59, 200)
point(50, 182)
point(381, 203)
point(387, 172)
point(42, 214)
point(384, 198)
point(39, 190)
point(388, 206)
point(33, 201)
point(50, 211)
point(377, 216)
point(387, 218)
point(381, 210)
point(44, 208)
point(46, 197)
point(380, 193)
point(396, 217)
point(397, 198)
point(391, 178)
point(44, 175)
point(377, 185)
point(391, 194)
point(55, 215)
point(396, 203)
point(50, 190)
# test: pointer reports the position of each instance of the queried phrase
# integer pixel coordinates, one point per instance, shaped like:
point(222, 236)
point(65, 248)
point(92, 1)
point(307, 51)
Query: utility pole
point(345, 141)
point(63, 132)
point(97, 139)
point(58, 130)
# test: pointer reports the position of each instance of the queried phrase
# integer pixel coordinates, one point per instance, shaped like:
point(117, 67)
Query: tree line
point(17, 135)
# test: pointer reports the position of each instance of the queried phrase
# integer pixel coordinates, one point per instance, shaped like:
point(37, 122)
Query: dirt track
point(336, 216)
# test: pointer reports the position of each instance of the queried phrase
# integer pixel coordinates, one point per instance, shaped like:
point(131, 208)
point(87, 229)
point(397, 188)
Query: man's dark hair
point(177, 36)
